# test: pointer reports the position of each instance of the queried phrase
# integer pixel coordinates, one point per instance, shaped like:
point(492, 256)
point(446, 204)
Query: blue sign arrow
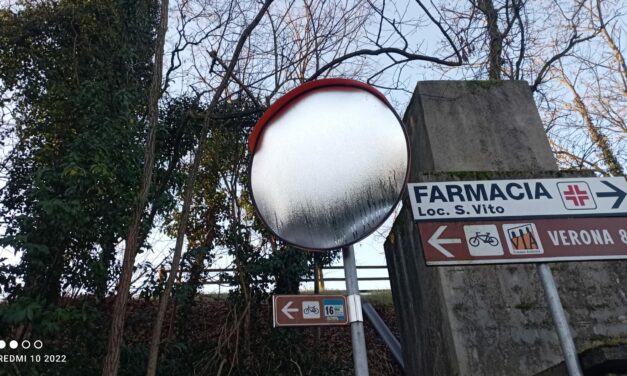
point(619, 194)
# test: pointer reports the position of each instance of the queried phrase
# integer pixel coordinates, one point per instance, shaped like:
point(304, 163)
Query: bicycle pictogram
point(311, 309)
point(483, 238)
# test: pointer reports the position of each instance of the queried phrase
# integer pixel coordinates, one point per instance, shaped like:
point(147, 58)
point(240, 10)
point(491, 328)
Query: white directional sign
point(529, 198)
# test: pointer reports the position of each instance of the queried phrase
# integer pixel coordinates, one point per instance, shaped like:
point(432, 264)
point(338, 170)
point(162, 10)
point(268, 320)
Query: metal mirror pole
point(559, 319)
point(360, 357)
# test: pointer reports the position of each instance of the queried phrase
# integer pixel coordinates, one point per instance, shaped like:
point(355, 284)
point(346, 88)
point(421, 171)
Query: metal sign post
point(559, 319)
point(360, 356)
point(330, 160)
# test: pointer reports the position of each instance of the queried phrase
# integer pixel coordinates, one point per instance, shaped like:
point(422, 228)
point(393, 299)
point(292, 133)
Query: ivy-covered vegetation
point(86, 84)
point(74, 79)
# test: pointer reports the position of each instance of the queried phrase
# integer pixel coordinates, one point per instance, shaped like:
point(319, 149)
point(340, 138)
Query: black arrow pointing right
point(618, 193)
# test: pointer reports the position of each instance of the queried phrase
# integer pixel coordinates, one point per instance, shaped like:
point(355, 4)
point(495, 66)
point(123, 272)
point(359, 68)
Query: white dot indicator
point(38, 344)
point(2, 344)
point(13, 344)
point(26, 344)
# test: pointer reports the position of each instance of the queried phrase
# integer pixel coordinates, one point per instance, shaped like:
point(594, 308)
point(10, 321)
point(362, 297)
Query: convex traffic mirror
point(329, 163)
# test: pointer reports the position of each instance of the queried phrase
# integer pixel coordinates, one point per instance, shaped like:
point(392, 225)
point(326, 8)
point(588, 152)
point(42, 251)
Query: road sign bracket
point(355, 313)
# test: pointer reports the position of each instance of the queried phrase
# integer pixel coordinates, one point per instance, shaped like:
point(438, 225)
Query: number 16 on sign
point(334, 309)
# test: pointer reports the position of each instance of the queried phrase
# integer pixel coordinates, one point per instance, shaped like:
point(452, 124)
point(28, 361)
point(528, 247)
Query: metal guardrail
point(329, 279)
point(386, 334)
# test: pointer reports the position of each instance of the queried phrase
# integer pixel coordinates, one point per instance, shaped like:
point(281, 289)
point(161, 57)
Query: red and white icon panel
point(576, 195)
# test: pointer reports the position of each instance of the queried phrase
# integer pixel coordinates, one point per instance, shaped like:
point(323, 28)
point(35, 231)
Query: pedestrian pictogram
point(576, 195)
point(523, 239)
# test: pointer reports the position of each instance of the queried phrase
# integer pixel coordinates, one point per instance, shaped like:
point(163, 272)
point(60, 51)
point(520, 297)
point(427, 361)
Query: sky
point(367, 252)
point(370, 250)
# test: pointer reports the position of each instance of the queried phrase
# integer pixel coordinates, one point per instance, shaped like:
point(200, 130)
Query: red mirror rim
point(297, 92)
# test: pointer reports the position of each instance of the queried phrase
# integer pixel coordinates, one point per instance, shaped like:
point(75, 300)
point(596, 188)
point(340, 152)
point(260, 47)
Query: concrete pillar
point(489, 320)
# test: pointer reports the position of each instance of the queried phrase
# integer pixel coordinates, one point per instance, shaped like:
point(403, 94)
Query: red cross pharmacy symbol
point(576, 195)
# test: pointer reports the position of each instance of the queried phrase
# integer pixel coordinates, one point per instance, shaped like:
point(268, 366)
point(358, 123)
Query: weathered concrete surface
point(489, 320)
point(601, 361)
point(477, 126)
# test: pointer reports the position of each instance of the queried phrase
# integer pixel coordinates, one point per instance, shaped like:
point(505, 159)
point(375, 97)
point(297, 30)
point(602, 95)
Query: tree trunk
point(598, 138)
point(107, 257)
point(496, 39)
point(618, 55)
point(318, 277)
point(198, 265)
point(189, 189)
point(112, 359)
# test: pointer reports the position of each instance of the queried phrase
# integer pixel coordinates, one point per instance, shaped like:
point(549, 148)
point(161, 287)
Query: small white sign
point(311, 310)
point(523, 239)
point(576, 195)
point(483, 240)
point(334, 309)
point(529, 198)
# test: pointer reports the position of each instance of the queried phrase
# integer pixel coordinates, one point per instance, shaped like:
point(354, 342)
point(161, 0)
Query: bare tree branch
point(368, 52)
point(189, 185)
point(574, 40)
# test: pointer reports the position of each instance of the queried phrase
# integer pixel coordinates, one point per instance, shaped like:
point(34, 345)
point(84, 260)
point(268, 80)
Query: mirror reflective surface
point(329, 167)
